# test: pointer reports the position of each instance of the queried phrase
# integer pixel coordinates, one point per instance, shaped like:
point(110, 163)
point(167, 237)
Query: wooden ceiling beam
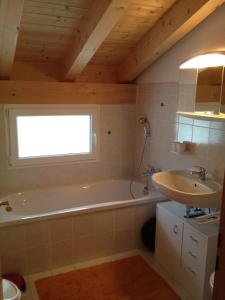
point(100, 20)
point(173, 26)
point(10, 17)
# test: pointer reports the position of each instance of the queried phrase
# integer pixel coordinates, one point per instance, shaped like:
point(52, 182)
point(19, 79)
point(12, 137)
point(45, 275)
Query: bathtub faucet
point(7, 205)
point(148, 173)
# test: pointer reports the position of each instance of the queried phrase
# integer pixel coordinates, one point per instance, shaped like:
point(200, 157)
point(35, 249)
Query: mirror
point(202, 88)
point(208, 91)
point(187, 90)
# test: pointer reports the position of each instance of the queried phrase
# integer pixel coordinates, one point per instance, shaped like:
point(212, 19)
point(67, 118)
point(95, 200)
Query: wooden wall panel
point(98, 73)
point(35, 71)
point(34, 92)
point(40, 71)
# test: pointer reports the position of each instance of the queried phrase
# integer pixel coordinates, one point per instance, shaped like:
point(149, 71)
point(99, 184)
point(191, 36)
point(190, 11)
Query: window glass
point(52, 134)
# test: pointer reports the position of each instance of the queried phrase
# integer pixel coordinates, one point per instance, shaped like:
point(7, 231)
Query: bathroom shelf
point(202, 116)
point(181, 153)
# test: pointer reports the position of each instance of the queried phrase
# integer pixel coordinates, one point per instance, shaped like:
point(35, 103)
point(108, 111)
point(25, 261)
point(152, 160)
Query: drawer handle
point(193, 239)
point(192, 271)
point(192, 255)
point(175, 229)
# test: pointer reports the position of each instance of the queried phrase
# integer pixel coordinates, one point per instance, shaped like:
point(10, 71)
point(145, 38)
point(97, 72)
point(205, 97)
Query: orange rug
point(126, 279)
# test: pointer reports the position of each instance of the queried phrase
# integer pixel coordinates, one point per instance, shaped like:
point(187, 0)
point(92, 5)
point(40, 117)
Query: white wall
point(160, 85)
point(116, 155)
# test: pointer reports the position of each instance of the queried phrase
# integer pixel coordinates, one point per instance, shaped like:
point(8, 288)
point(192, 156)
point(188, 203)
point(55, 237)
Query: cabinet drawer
point(193, 280)
point(193, 244)
point(193, 260)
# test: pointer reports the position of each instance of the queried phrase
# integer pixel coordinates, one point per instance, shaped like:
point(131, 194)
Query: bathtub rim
point(155, 198)
point(6, 193)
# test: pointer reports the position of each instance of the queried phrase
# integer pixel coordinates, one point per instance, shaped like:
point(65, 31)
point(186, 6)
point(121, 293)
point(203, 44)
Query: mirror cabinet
point(202, 91)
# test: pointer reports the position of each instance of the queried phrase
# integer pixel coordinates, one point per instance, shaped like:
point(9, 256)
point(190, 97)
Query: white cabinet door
point(169, 232)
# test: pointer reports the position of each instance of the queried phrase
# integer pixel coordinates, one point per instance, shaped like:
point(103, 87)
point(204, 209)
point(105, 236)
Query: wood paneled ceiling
point(47, 29)
point(139, 17)
point(78, 34)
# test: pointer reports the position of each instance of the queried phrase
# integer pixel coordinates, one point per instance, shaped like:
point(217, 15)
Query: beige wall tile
point(15, 261)
point(37, 233)
point(39, 258)
point(104, 222)
point(208, 143)
point(84, 225)
point(119, 119)
point(217, 145)
point(84, 248)
point(62, 253)
point(12, 237)
point(124, 219)
point(61, 229)
point(105, 245)
point(125, 240)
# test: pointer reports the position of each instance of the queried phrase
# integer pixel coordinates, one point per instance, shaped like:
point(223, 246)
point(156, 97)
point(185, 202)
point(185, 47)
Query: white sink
point(188, 189)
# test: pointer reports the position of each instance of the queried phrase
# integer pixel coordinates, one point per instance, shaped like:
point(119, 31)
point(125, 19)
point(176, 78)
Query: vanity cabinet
point(169, 240)
point(186, 249)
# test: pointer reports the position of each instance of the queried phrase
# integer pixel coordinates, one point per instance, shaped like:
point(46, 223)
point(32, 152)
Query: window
point(52, 134)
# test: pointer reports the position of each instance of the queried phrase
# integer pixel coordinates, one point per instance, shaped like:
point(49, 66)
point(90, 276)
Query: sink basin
point(188, 189)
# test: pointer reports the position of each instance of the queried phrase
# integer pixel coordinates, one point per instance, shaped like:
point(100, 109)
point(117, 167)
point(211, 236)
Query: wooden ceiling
point(138, 18)
point(75, 34)
point(47, 29)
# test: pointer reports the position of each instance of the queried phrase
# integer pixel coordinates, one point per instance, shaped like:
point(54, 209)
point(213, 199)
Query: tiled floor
point(31, 293)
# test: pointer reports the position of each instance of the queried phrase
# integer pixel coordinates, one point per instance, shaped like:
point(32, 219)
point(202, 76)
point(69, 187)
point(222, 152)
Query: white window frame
point(12, 111)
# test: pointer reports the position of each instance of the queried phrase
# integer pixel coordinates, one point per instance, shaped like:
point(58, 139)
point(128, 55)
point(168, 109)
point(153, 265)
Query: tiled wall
point(116, 158)
point(45, 245)
point(208, 138)
point(159, 102)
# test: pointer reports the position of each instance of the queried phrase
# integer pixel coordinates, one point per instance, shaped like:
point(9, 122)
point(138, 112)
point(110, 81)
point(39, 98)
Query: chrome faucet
point(7, 205)
point(148, 173)
point(200, 171)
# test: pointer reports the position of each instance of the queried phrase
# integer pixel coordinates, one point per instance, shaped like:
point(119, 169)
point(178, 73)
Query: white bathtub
point(60, 201)
point(56, 227)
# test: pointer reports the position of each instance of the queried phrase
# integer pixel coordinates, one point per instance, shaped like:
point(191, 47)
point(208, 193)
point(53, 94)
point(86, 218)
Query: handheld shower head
point(144, 121)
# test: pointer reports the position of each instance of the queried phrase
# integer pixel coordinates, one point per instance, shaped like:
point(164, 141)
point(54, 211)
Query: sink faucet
point(6, 203)
point(200, 171)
